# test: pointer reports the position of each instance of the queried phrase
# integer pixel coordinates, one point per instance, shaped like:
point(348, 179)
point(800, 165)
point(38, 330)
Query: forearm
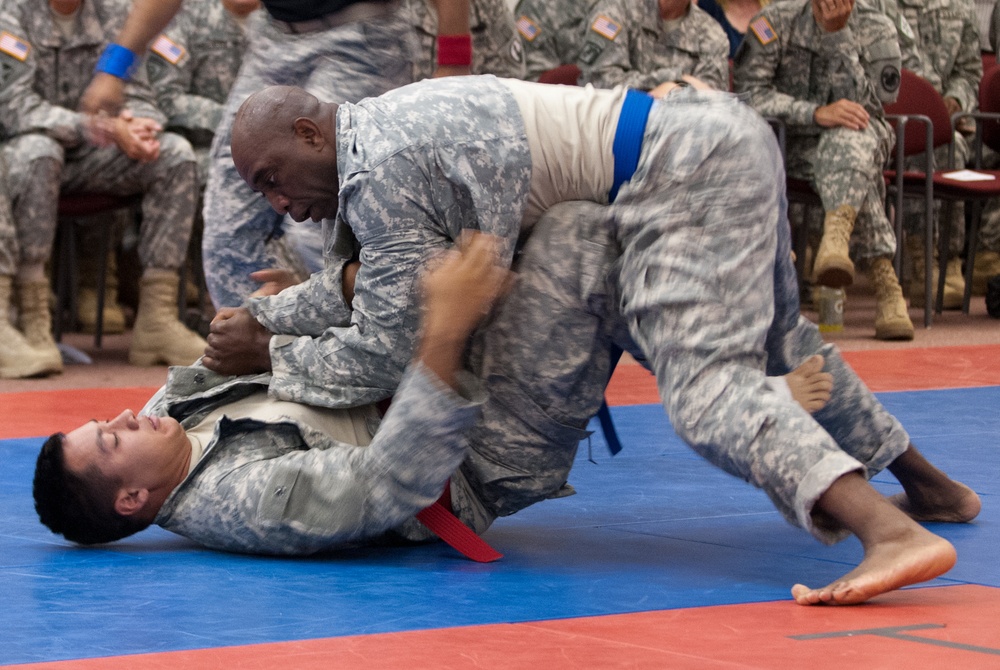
point(453, 17)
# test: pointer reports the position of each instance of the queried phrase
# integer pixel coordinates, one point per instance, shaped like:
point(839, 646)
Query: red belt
point(440, 520)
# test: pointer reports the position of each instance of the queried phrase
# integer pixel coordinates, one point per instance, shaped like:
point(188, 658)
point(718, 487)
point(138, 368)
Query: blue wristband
point(118, 61)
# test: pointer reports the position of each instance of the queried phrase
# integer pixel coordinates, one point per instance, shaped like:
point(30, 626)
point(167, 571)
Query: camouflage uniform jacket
point(947, 40)
point(551, 32)
point(42, 77)
point(625, 43)
point(789, 66)
point(286, 488)
point(192, 66)
point(416, 167)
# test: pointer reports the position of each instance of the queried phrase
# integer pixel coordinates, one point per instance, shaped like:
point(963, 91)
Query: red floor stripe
point(942, 627)
point(39, 413)
point(883, 370)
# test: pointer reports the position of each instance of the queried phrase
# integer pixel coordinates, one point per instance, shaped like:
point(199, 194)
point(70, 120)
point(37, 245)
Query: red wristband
point(454, 50)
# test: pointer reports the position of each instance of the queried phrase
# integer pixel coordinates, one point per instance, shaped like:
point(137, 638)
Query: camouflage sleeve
point(308, 308)
point(967, 72)
point(881, 59)
point(755, 71)
point(539, 38)
point(995, 27)
point(308, 500)
point(171, 65)
point(22, 110)
point(713, 59)
point(496, 46)
point(606, 58)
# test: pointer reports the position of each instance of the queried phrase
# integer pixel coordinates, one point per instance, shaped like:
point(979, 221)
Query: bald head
point(283, 135)
point(270, 115)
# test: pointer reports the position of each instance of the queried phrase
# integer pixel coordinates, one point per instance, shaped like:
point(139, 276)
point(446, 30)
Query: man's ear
point(130, 502)
point(306, 129)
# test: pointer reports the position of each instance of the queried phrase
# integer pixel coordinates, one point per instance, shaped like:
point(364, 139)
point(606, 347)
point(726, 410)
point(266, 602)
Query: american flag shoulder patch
point(14, 46)
point(529, 29)
point(763, 30)
point(606, 27)
point(167, 49)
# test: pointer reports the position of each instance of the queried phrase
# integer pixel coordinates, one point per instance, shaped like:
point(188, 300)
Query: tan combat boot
point(18, 359)
point(833, 266)
point(35, 321)
point(987, 266)
point(86, 298)
point(159, 338)
point(954, 284)
point(952, 298)
point(891, 320)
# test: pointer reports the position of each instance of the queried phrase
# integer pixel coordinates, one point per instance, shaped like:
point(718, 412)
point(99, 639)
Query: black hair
point(78, 506)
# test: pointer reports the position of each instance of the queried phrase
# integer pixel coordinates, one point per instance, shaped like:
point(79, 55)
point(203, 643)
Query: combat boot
point(86, 298)
point(954, 284)
point(891, 319)
point(159, 338)
point(18, 359)
point(833, 266)
point(35, 320)
point(987, 265)
point(952, 298)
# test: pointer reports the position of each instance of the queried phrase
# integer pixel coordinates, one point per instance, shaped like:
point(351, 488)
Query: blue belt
point(628, 138)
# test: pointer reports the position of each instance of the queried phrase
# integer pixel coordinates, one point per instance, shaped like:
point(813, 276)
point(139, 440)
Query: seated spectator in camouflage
point(496, 48)
point(947, 55)
point(193, 64)
point(645, 43)
point(47, 56)
point(825, 69)
point(551, 33)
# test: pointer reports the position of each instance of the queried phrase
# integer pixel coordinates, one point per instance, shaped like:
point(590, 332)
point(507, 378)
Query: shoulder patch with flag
point(14, 46)
point(167, 49)
point(763, 30)
point(606, 27)
point(529, 29)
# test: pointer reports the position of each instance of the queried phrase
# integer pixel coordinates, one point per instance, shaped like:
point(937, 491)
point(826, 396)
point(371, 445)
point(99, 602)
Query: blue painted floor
point(653, 528)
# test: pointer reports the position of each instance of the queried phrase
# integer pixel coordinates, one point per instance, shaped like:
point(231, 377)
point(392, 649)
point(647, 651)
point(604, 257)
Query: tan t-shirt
point(571, 131)
point(345, 425)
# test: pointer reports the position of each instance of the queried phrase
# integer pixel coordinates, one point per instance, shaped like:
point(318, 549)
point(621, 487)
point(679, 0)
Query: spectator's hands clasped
point(137, 137)
point(237, 343)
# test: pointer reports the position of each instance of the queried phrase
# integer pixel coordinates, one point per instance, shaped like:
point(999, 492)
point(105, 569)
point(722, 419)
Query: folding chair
point(71, 208)
point(920, 103)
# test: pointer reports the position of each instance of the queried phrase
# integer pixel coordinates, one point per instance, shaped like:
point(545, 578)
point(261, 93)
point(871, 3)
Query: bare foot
point(916, 556)
point(810, 386)
point(955, 503)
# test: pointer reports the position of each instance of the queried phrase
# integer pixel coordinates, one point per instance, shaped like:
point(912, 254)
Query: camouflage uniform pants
point(8, 233)
point(845, 168)
point(346, 63)
point(168, 185)
point(709, 293)
point(544, 356)
point(913, 208)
